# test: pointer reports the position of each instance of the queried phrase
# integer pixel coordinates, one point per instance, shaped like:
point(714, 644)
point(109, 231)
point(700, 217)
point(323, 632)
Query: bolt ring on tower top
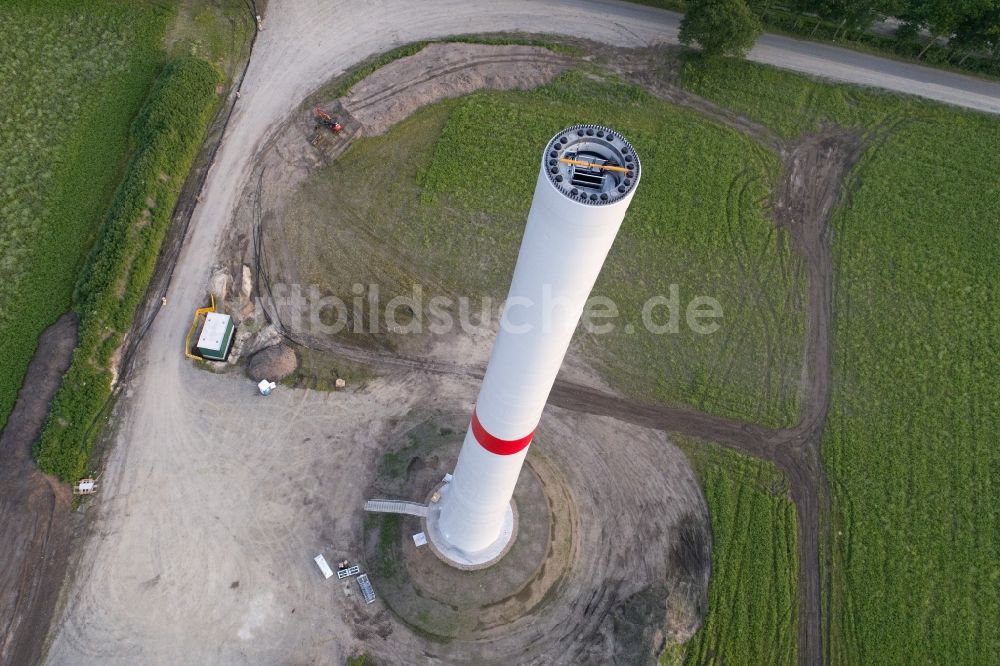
point(591, 164)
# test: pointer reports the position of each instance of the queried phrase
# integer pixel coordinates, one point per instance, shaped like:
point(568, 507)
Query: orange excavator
point(326, 120)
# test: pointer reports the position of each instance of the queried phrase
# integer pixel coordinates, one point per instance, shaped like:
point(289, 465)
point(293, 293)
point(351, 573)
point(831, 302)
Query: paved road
point(306, 42)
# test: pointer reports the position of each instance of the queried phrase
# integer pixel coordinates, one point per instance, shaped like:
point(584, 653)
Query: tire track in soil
point(816, 172)
point(392, 91)
point(750, 264)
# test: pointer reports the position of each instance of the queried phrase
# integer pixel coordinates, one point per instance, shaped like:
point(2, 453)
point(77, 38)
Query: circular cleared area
point(437, 596)
point(591, 164)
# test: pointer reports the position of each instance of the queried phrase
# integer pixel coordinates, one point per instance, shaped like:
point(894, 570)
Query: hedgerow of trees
point(167, 135)
point(957, 29)
point(720, 27)
point(970, 23)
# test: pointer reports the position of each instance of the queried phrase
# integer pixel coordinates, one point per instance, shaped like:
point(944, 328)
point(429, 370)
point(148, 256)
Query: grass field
point(422, 205)
point(911, 443)
point(62, 146)
point(214, 30)
point(752, 601)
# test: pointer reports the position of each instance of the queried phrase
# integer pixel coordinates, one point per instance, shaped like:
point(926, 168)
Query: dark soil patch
point(35, 518)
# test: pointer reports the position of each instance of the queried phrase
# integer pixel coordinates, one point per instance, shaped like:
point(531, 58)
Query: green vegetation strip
point(167, 135)
point(752, 597)
point(62, 145)
point(360, 660)
point(911, 441)
point(441, 201)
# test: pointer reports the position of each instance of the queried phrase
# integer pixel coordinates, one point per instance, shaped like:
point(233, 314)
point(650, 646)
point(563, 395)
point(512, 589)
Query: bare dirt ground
point(638, 536)
point(206, 540)
point(34, 508)
point(304, 44)
point(439, 71)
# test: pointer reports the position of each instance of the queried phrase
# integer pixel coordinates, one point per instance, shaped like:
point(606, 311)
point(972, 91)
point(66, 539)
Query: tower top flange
point(591, 164)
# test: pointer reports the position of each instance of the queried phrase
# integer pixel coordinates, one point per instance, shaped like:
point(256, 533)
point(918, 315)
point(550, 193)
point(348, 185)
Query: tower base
point(457, 557)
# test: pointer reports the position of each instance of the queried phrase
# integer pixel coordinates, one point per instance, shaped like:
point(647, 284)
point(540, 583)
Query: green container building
point(216, 336)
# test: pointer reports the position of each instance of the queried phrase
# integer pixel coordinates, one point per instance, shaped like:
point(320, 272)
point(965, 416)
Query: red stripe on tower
point(501, 447)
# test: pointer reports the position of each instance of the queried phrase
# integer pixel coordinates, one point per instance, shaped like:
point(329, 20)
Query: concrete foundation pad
point(457, 557)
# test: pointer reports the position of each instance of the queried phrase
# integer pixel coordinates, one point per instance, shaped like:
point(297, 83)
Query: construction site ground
point(259, 470)
point(595, 540)
point(239, 502)
point(815, 168)
point(210, 491)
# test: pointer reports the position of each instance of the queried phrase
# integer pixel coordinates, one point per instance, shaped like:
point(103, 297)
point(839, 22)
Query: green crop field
point(429, 204)
point(911, 442)
point(752, 598)
point(62, 146)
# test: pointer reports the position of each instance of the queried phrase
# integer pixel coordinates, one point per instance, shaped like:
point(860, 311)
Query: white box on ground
point(420, 539)
point(323, 566)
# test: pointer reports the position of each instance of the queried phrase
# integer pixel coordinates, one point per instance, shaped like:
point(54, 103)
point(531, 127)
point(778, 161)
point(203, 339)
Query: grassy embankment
point(218, 31)
point(441, 201)
point(361, 72)
point(752, 597)
point(167, 135)
point(911, 442)
point(63, 146)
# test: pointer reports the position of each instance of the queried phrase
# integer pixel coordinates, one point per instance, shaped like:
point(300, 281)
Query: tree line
point(970, 27)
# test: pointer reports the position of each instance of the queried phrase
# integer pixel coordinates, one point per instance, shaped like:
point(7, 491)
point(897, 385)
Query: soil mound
point(274, 363)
